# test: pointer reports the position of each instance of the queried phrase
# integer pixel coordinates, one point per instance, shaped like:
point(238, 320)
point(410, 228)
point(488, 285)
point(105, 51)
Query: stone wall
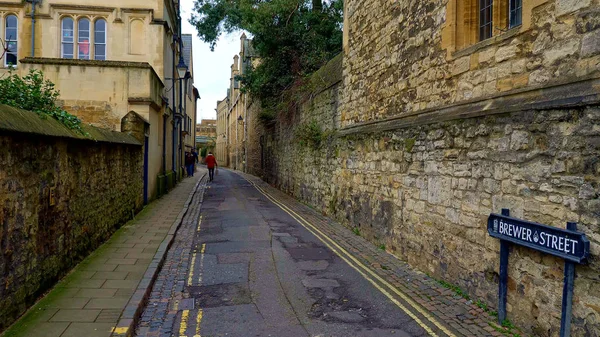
point(97, 186)
point(425, 184)
point(401, 55)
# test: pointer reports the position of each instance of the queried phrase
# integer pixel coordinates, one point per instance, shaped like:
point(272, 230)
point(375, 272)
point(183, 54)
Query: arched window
point(67, 39)
point(11, 38)
point(83, 39)
point(100, 39)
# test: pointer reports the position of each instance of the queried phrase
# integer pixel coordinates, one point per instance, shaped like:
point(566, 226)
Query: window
point(11, 38)
point(67, 50)
point(515, 12)
point(485, 19)
point(100, 40)
point(83, 39)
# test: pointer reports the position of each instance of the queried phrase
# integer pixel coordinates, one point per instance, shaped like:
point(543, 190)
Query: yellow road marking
point(404, 297)
point(176, 306)
point(198, 321)
point(200, 271)
point(120, 330)
point(183, 324)
point(191, 277)
point(199, 222)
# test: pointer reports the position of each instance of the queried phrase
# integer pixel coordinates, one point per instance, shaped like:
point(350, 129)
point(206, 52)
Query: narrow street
point(242, 266)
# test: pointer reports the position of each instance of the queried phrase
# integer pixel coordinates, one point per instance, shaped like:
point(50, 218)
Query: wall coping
point(95, 63)
point(15, 120)
point(569, 94)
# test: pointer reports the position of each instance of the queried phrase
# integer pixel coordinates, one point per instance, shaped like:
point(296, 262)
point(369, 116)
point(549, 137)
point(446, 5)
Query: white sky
point(211, 69)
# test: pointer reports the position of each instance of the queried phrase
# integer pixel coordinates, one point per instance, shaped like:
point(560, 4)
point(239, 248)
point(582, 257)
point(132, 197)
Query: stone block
point(590, 44)
point(461, 65)
point(569, 6)
point(506, 52)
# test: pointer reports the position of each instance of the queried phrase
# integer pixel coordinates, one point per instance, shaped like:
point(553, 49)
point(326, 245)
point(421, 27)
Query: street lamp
point(181, 68)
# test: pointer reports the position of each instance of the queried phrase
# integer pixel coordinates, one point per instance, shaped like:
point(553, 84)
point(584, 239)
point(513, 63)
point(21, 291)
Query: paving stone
point(68, 315)
point(110, 275)
point(96, 293)
point(88, 330)
point(69, 303)
point(107, 303)
point(48, 329)
point(125, 284)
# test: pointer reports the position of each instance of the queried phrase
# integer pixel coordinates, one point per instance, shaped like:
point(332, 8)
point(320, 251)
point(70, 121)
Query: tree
point(292, 38)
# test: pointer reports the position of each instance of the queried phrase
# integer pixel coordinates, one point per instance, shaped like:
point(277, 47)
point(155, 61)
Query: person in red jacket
point(211, 163)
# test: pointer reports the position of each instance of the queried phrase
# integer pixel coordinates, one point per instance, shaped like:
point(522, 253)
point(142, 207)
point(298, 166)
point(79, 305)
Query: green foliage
point(35, 93)
point(291, 38)
point(409, 144)
point(310, 134)
point(356, 231)
point(381, 246)
point(203, 152)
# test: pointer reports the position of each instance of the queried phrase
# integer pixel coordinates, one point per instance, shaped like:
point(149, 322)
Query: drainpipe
point(33, 4)
point(164, 158)
point(174, 107)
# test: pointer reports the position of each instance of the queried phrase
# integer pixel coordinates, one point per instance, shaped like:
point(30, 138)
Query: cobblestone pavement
point(246, 262)
point(93, 298)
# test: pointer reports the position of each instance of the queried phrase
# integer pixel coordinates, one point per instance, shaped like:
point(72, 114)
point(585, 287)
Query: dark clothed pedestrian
point(189, 164)
point(195, 156)
point(211, 164)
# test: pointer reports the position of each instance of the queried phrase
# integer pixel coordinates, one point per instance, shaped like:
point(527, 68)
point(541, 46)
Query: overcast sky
point(211, 69)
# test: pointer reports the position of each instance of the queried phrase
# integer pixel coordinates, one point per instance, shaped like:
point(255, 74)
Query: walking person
point(195, 157)
point(211, 164)
point(189, 164)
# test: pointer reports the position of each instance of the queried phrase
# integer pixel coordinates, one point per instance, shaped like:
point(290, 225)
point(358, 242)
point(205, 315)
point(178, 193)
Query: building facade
point(221, 132)
point(206, 134)
point(233, 112)
point(107, 60)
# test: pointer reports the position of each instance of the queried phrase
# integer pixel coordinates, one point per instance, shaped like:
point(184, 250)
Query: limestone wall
point(97, 184)
point(424, 186)
point(402, 56)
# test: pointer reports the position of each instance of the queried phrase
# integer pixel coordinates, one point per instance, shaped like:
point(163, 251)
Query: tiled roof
point(186, 40)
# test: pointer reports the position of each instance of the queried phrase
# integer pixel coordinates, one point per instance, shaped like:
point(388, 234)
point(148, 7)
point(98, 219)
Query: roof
point(186, 40)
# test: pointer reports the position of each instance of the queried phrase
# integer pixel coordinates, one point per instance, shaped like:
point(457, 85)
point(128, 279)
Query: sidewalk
point(104, 293)
point(461, 316)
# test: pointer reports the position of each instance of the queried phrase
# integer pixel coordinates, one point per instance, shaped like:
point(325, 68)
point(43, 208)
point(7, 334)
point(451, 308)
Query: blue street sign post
point(568, 244)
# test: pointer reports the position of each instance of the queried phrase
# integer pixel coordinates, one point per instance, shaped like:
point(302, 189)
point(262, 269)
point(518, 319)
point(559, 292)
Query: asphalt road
point(249, 269)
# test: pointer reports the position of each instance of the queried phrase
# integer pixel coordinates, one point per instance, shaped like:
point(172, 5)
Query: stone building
point(233, 124)
point(206, 134)
point(107, 59)
point(221, 132)
point(439, 113)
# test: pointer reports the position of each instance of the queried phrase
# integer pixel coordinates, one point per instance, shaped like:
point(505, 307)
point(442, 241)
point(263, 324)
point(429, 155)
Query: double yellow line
point(365, 271)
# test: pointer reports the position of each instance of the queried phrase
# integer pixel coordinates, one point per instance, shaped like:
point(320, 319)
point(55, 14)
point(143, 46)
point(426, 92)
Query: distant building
point(232, 112)
point(206, 133)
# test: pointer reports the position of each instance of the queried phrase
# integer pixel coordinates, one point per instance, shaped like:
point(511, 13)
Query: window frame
point(7, 41)
point(518, 10)
point(96, 43)
point(62, 37)
point(485, 6)
point(79, 42)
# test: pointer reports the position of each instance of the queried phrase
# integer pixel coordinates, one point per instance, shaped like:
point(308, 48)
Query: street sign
point(566, 244)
